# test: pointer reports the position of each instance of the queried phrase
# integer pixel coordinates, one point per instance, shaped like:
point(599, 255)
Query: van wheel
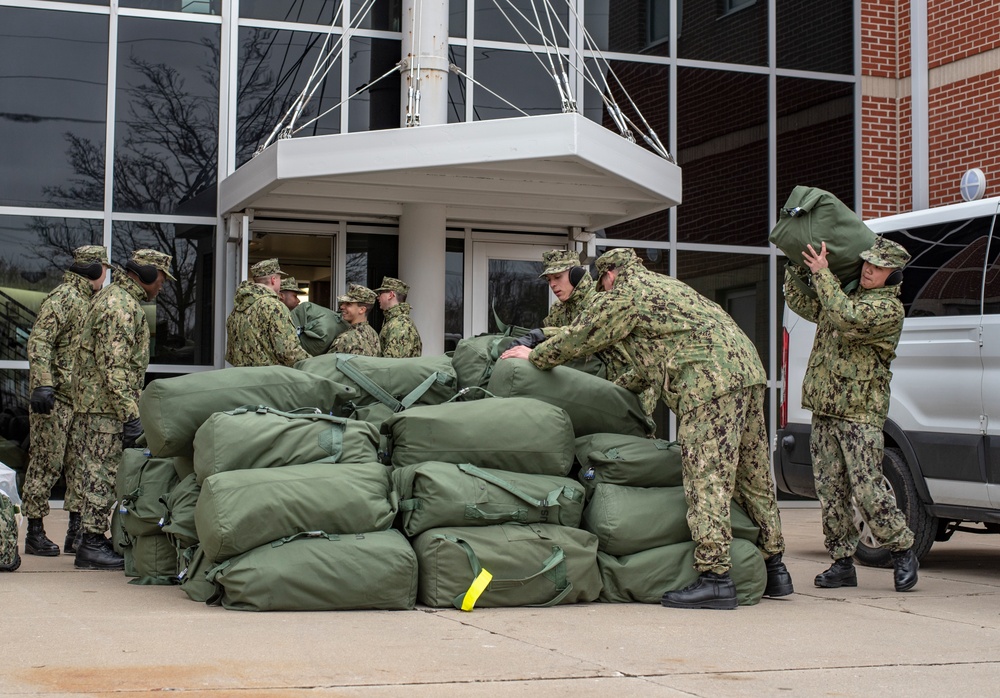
point(899, 483)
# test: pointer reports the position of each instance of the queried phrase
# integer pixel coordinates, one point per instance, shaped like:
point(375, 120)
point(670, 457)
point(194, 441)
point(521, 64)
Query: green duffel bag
point(473, 361)
point(119, 538)
point(508, 564)
point(319, 571)
point(183, 465)
point(140, 483)
point(178, 523)
point(619, 459)
point(395, 383)
point(172, 409)
point(594, 405)
point(240, 510)
point(516, 434)
point(317, 326)
point(154, 559)
point(629, 520)
point(262, 437)
point(192, 576)
point(813, 216)
point(435, 494)
point(374, 414)
point(646, 576)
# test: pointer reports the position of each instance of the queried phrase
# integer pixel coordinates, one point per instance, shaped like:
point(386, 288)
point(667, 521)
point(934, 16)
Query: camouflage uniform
point(107, 381)
point(360, 338)
point(260, 331)
point(708, 372)
point(399, 337)
point(847, 388)
point(52, 348)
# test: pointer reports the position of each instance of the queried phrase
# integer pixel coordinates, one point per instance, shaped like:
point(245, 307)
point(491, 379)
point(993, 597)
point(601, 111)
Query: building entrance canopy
point(552, 172)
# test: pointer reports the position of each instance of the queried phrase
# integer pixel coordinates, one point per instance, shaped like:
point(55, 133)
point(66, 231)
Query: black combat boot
point(96, 553)
point(36, 542)
point(712, 590)
point(72, 533)
point(779, 582)
point(840, 574)
point(904, 569)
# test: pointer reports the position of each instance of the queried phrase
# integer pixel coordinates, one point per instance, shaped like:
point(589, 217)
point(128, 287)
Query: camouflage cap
point(154, 258)
point(267, 267)
point(615, 259)
point(886, 253)
point(391, 284)
point(290, 284)
point(90, 254)
point(556, 261)
point(358, 294)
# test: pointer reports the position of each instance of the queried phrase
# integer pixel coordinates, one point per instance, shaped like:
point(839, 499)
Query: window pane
point(815, 137)
point(384, 14)
point(518, 78)
point(457, 86)
point(457, 18)
point(711, 31)
point(516, 294)
point(14, 424)
point(181, 316)
point(527, 18)
point(53, 95)
point(200, 7)
point(378, 106)
point(629, 26)
point(370, 258)
point(454, 293)
point(824, 42)
point(273, 69)
point(306, 11)
point(167, 117)
point(723, 151)
point(36, 252)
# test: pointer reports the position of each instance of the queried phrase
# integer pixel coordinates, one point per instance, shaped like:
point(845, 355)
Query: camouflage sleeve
point(48, 326)
point(606, 321)
point(856, 318)
point(116, 342)
point(796, 298)
point(280, 328)
point(348, 342)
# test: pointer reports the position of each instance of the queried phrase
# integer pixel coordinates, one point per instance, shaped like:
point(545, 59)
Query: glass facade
point(119, 120)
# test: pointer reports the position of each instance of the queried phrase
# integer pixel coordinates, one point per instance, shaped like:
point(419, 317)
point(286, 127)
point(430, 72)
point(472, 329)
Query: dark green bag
point(140, 483)
point(474, 358)
point(812, 216)
point(517, 434)
point(628, 460)
point(646, 576)
point(178, 523)
point(628, 520)
point(514, 565)
point(320, 572)
point(192, 575)
point(154, 559)
point(240, 510)
point(395, 383)
point(594, 404)
point(317, 326)
point(172, 409)
point(435, 494)
point(263, 437)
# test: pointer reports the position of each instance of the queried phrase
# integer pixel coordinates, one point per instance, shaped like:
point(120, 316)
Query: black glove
point(42, 399)
point(530, 340)
point(131, 430)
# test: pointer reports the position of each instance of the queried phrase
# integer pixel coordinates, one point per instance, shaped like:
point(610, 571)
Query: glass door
point(505, 279)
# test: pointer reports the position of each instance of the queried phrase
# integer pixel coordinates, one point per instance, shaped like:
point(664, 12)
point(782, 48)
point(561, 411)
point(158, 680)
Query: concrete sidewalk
point(68, 632)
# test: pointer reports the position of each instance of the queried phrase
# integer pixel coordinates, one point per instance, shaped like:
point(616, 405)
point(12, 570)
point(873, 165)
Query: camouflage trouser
point(724, 456)
point(96, 439)
point(49, 459)
point(847, 465)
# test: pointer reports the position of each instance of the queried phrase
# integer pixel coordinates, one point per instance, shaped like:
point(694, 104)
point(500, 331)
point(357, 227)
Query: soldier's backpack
point(435, 494)
point(509, 564)
point(320, 572)
point(813, 216)
point(628, 460)
point(317, 327)
point(10, 558)
point(594, 404)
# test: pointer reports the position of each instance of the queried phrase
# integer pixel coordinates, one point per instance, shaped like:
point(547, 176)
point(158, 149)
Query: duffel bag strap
point(553, 569)
point(551, 500)
point(438, 377)
point(469, 389)
point(370, 386)
point(331, 441)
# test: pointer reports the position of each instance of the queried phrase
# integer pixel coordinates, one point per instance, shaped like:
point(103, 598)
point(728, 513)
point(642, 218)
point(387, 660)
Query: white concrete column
point(425, 50)
point(422, 264)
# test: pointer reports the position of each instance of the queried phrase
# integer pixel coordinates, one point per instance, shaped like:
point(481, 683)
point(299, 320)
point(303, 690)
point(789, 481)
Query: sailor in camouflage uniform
point(107, 381)
point(52, 348)
point(259, 330)
point(289, 292)
point(360, 338)
point(847, 388)
point(399, 337)
point(708, 372)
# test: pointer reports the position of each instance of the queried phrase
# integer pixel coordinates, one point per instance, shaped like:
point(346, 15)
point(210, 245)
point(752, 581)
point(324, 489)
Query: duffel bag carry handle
point(551, 500)
point(330, 441)
point(469, 389)
point(553, 569)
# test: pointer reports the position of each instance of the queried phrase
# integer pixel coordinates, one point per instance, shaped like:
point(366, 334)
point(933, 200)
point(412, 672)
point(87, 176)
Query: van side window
point(945, 274)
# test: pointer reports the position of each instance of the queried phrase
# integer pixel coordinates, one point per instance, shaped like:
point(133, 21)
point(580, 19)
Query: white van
point(942, 436)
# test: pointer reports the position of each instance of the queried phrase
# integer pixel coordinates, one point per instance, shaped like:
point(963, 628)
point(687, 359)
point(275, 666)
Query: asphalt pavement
point(74, 633)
